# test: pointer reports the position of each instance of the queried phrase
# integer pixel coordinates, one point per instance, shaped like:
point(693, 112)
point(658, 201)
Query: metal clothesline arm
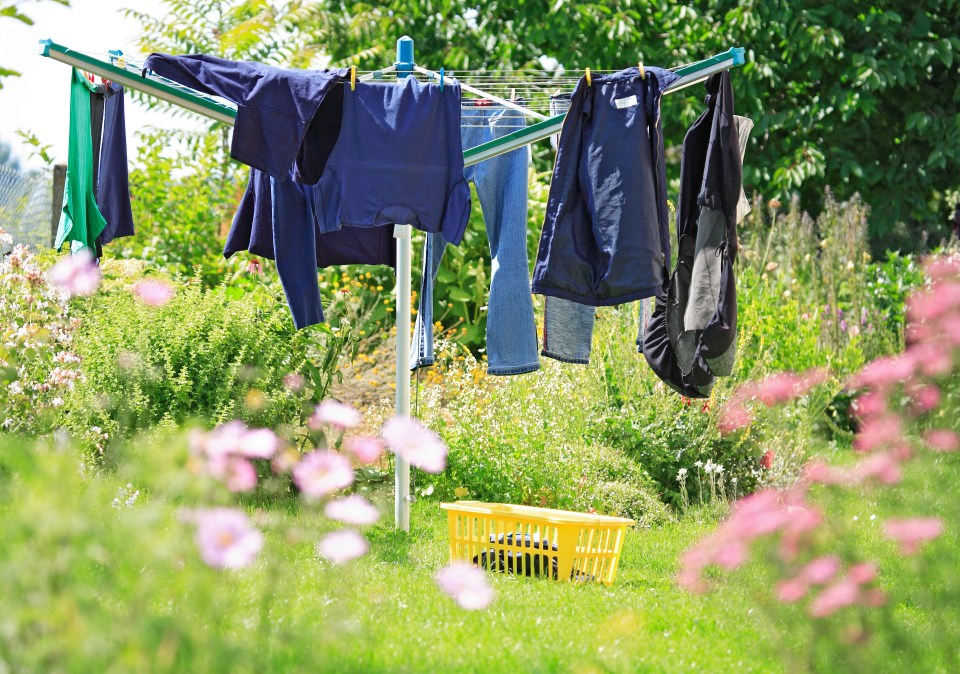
point(689, 75)
point(121, 71)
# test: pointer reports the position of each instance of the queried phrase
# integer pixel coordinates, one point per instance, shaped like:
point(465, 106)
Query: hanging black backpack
point(691, 337)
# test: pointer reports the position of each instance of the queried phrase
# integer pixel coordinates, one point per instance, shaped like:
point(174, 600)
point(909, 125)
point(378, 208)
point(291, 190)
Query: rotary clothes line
point(118, 70)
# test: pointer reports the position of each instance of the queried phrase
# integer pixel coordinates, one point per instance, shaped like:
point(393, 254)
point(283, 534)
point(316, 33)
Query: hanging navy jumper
point(399, 160)
point(605, 237)
point(284, 116)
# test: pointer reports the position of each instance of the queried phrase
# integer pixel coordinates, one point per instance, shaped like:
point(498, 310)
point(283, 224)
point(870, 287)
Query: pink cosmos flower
point(366, 449)
point(821, 570)
point(792, 591)
point(941, 297)
point(877, 432)
point(833, 598)
point(410, 441)
point(870, 405)
point(933, 357)
point(466, 584)
point(862, 573)
point(294, 381)
point(353, 509)
point(342, 546)
point(874, 597)
point(801, 519)
point(882, 467)
point(77, 274)
point(335, 414)
point(258, 443)
point(942, 439)
point(776, 389)
point(733, 418)
point(910, 533)
point(321, 473)
point(818, 471)
point(942, 266)
point(758, 514)
point(153, 292)
point(241, 475)
point(730, 554)
point(926, 397)
point(884, 372)
point(223, 440)
point(226, 539)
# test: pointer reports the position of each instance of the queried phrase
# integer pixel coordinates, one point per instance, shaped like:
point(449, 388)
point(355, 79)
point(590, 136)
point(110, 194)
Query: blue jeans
point(501, 184)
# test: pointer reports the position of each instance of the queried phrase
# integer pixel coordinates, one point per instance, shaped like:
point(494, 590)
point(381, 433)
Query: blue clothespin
point(441, 79)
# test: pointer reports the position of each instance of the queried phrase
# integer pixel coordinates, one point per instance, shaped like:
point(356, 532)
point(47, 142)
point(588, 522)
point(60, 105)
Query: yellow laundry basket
point(524, 540)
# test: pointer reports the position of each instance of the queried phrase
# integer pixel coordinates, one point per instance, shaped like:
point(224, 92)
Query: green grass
point(389, 616)
point(88, 587)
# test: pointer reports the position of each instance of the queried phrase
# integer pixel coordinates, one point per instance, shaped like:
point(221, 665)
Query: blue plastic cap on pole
point(405, 60)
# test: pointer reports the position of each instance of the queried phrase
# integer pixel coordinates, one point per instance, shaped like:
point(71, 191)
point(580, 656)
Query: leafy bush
point(200, 357)
point(184, 191)
point(527, 440)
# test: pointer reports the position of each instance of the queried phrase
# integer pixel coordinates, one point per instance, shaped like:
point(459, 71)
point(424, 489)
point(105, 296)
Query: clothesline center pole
point(402, 234)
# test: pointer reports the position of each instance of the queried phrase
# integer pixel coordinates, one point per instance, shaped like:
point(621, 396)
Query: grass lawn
point(389, 615)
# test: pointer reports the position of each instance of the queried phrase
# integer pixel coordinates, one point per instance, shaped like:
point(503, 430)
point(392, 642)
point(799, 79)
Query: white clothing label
point(627, 102)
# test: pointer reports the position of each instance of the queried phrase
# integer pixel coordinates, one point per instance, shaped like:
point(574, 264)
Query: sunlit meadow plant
point(843, 588)
point(530, 440)
point(38, 362)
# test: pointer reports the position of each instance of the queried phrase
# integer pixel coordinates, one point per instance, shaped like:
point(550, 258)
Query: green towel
point(80, 221)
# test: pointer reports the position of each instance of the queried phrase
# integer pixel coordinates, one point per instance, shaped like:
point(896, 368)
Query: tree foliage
point(861, 96)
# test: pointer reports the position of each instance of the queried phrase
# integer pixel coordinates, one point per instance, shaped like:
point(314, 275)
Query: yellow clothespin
point(353, 78)
point(643, 74)
point(587, 75)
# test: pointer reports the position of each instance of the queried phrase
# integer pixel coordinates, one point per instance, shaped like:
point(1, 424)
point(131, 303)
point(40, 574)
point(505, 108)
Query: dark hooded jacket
point(691, 338)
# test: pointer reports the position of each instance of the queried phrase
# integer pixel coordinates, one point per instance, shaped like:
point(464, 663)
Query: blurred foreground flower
point(353, 509)
point(466, 584)
point(321, 473)
point(412, 442)
point(226, 538)
point(226, 452)
point(76, 274)
point(294, 381)
point(366, 449)
point(154, 292)
point(910, 533)
point(335, 414)
point(342, 546)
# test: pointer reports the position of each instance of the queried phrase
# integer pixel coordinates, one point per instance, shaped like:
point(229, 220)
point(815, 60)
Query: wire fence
point(26, 207)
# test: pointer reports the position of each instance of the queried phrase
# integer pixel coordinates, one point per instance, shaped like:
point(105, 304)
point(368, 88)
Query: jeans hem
point(513, 369)
point(565, 359)
point(423, 362)
point(595, 301)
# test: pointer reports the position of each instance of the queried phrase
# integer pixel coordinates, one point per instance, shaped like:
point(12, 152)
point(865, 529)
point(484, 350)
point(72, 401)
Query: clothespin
point(441, 79)
point(589, 79)
point(513, 94)
point(353, 78)
point(643, 74)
